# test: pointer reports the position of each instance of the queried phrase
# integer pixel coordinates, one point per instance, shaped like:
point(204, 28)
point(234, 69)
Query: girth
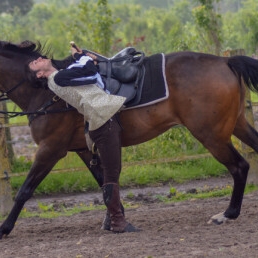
point(43, 109)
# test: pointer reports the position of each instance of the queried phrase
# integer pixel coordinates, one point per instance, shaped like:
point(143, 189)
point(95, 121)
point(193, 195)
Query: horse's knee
point(23, 195)
point(244, 166)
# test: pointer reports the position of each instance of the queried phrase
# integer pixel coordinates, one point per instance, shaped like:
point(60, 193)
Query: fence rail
point(125, 165)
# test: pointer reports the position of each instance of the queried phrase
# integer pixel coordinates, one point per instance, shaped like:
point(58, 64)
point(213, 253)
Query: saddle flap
point(126, 73)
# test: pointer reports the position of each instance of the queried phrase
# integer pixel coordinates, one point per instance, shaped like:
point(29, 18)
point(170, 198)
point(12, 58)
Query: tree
point(10, 6)
point(209, 22)
point(240, 29)
point(153, 30)
point(249, 25)
point(93, 24)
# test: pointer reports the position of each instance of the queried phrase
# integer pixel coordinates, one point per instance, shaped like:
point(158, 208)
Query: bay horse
point(206, 95)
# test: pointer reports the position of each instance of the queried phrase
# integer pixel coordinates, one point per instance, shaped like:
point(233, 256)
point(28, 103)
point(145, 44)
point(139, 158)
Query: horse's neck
point(30, 99)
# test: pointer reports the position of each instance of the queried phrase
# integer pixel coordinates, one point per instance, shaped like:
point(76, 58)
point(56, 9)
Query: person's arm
point(73, 77)
point(82, 72)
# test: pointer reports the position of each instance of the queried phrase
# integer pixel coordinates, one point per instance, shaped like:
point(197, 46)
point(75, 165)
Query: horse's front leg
point(43, 164)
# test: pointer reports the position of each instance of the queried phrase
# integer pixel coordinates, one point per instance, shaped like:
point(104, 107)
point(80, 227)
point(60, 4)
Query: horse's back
point(203, 94)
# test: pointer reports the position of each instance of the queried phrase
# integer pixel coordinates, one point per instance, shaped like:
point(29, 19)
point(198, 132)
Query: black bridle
point(4, 95)
point(32, 115)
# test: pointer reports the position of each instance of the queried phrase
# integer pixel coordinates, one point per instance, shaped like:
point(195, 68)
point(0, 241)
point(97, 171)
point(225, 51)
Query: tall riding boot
point(112, 201)
point(106, 224)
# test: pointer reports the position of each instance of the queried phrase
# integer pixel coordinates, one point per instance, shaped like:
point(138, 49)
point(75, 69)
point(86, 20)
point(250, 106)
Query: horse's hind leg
point(222, 149)
point(238, 168)
point(246, 133)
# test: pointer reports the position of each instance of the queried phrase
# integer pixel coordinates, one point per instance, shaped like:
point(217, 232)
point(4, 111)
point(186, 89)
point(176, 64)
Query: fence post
point(6, 201)
point(249, 154)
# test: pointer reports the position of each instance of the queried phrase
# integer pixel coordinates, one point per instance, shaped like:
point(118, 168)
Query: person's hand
point(94, 57)
point(75, 49)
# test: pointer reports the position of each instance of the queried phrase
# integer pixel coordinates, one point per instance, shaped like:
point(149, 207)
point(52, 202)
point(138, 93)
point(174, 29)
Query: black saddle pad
point(155, 87)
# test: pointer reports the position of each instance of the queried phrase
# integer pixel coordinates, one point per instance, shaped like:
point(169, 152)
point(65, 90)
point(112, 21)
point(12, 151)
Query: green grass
point(133, 176)
point(48, 212)
point(206, 193)
point(11, 107)
point(178, 172)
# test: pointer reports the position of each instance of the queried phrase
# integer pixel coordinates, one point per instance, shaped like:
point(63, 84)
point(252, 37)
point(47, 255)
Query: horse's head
point(13, 60)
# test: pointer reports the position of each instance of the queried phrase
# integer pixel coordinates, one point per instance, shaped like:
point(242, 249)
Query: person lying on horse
point(81, 86)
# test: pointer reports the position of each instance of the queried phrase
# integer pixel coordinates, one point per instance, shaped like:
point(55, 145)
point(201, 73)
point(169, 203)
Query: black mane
point(31, 49)
point(27, 51)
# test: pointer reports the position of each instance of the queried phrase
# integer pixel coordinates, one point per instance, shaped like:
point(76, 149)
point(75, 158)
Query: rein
point(32, 115)
point(4, 95)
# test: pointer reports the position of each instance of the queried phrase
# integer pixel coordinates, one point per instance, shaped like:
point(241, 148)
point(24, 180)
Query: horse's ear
point(28, 45)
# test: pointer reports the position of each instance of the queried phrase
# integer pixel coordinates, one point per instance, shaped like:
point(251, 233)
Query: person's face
point(40, 66)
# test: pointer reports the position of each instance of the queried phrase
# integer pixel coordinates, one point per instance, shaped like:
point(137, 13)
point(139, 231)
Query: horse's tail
point(246, 68)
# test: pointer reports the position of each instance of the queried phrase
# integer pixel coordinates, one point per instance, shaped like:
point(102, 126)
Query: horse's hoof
point(129, 228)
point(218, 219)
point(4, 232)
point(105, 227)
point(106, 223)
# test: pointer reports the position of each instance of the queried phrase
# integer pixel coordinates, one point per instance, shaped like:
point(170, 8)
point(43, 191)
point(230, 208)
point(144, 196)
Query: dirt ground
point(168, 230)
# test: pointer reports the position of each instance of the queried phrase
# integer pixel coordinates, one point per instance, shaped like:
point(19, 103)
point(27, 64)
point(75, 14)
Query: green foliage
point(210, 22)
point(93, 25)
point(146, 174)
point(102, 31)
point(79, 181)
point(12, 6)
point(240, 29)
point(20, 165)
point(176, 142)
point(151, 26)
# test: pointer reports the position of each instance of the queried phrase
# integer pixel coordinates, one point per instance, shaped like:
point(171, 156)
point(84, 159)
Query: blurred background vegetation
point(107, 26)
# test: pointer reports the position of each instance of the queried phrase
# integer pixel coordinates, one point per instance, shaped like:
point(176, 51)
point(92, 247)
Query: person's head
point(41, 67)
point(38, 70)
